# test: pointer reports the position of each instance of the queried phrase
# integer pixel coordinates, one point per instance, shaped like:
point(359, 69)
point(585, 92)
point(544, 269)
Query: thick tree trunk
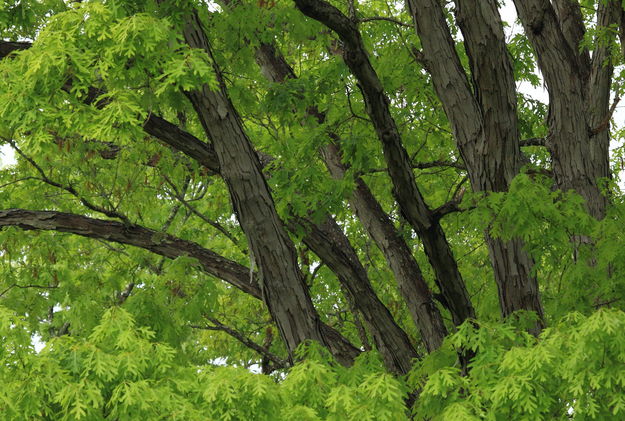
point(328, 241)
point(282, 283)
point(484, 123)
point(578, 97)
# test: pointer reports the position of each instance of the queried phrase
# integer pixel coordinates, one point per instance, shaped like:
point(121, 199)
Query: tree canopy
point(311, 210)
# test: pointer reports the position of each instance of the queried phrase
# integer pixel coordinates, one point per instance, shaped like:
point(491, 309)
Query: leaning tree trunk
point(282, 283)
point(405, 190)
point(329, 242)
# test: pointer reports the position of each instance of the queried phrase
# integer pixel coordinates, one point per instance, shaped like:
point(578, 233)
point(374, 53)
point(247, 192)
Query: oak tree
point(352, 198)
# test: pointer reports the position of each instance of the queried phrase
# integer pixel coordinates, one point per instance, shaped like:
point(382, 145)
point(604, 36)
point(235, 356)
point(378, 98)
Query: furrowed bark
point(412, 285)
point(282, 283)
point(164, 245)
point(484, 122)
point(329, 242)
point(405, 191)
point(579, 160)
point(598, 86)
point(204, 153)
point(494, 158)
point(569, 15)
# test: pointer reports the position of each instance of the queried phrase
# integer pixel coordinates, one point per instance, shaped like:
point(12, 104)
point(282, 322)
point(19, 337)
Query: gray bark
point(328, 241)
point(484, 122)
point(578, 103)
point(282, 283)
point(412, 285)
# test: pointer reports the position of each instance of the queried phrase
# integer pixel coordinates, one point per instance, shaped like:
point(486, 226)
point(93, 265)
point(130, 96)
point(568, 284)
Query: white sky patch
point(7, 156)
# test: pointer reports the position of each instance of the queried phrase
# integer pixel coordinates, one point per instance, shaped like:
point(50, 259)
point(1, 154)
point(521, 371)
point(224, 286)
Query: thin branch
point(69, 189)
point(203, 217)
point(605, 123)
point(453, 205)
point(386, 19)
point(423, 166)
point(123, 296)
point(10, 287)
point(218, 326)
point(19, 180)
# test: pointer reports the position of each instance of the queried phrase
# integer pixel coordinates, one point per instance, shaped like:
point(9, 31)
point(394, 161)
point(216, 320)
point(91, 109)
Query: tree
point(352, 198)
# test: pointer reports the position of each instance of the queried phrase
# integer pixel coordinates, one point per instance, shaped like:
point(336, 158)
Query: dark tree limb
point(159, 243)
point(279, 363)
point(329, 242)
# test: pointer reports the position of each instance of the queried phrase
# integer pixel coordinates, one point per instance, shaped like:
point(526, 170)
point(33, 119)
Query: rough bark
point(579, 159)
point(328, 241)
point(484, 122)
point(569, 15)
point(405, 191)
point(204, 153)
point(282, 283)
point(164, 245)
point(412, 285)
point(157, 242)
point(494, 158)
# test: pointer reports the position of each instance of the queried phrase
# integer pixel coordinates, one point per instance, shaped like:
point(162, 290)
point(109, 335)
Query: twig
point(10, 287)
point(212, 223)
point(69, 189)
point(218, 326)
point(423, 166)
point(386, 19)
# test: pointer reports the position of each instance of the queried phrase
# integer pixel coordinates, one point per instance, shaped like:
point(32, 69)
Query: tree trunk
point(405, 191)
point(282, 283)
point(484, 122)
point(578, 97)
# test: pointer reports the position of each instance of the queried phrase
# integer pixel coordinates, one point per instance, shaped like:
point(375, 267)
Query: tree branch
point(71, 190)
point(534, 141)
point(263, 351)
point(386, 19)
point(157, 242)
point(423, 166)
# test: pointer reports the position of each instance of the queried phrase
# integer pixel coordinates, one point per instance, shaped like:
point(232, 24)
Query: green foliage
point(573, 371)
point(129, 335)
